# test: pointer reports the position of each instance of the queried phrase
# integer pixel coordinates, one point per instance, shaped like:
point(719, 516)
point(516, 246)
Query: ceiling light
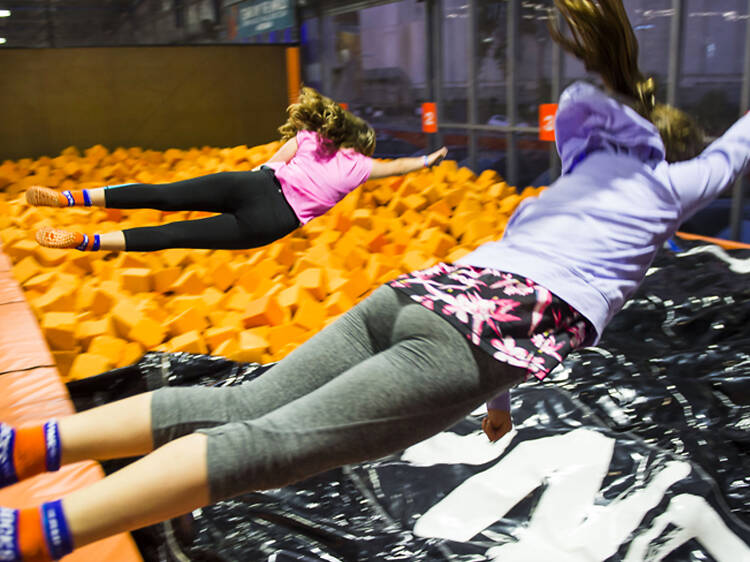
point(4, 13)
point(2, 40)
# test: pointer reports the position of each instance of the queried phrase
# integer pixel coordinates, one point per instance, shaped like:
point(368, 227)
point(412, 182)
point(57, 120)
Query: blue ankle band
point(82, 245)
point(7, 468)
point(9, 549)
point(97, 243)
point(52, 441)
point(69, 197)
point(86, 198)
point(56, 531)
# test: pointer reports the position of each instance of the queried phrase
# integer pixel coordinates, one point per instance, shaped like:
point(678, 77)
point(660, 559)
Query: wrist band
point(425, 160)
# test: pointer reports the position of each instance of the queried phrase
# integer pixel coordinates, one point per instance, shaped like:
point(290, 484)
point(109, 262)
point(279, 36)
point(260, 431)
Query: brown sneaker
point(39, 196)
point(58, 238)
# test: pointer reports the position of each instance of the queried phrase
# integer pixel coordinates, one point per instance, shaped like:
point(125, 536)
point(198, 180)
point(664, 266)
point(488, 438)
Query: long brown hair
point(316, 112)
point(603, 39)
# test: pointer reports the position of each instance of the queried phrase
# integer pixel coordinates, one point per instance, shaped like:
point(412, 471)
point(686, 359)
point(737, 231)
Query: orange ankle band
point(31, 541)
point(78, 197)
point(30, 452)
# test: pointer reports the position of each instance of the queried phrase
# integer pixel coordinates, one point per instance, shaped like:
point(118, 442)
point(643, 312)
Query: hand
point(496, 424)
point(436, 156)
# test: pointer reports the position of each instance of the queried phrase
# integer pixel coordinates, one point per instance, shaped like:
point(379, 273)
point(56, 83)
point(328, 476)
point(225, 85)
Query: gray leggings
point(386, 375)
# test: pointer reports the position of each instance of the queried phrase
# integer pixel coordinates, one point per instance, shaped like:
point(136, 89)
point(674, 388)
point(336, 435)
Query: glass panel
point(374, 60)
point(712, 63)
point(491, 51)
point(651, 20)
point(533, 63)
point(455, 57)
point(456, 140)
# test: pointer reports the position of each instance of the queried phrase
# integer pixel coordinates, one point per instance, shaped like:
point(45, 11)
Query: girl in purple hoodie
point(421, 352)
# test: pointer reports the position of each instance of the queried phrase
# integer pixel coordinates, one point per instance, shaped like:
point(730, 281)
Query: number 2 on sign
point(429, 117)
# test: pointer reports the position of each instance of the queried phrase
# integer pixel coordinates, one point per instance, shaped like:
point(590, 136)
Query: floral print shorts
point(508, 316)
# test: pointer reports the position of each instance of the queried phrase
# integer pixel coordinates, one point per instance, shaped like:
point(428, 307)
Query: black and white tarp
point(635, 450)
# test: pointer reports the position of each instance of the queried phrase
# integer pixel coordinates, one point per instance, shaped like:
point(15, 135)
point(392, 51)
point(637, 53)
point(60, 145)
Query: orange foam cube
point(125, 316)
point(263, 311)
point(313, 280)
point(217, 335)
point(250, 348)
point(90, 329)
point(189, 342)
point(59, 329)
point(310, 315)
point(189, 282)
point(190, 320)
point(50, 257)
point(58, 298)
point(130, 354)
point(147, 332)
point(136, 279)
point(107, 346)
point(163, 279)
point(25, 269)
point(87, 365)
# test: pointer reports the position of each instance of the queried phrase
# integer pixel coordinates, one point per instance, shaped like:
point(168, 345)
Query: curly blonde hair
point(316, 112)
point(603, 39)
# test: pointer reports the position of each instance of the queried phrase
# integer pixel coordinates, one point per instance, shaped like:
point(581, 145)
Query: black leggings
point(254, 212)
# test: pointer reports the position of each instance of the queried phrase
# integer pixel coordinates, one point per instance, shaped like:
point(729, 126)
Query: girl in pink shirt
point(326, 154)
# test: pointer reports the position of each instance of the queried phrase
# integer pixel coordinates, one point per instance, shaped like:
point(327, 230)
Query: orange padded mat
point(31, 391)
point(726, 244)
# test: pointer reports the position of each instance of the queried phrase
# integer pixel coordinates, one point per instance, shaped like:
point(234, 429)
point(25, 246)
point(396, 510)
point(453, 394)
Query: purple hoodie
point(592, 235)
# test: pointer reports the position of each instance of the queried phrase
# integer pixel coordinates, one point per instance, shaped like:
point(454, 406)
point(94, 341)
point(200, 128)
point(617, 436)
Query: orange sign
point(344, 106)
point(547, 112)
point(429, 117)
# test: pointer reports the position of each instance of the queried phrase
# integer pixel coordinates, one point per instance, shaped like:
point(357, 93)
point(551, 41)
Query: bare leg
point(97, 197)
point(166, 483)
point(112, 241)
point(117, 430)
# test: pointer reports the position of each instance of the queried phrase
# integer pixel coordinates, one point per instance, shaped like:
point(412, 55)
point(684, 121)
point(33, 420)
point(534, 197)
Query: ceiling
point(57, 23)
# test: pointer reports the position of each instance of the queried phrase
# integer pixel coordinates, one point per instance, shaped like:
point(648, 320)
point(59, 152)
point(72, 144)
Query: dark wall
point(152, 97)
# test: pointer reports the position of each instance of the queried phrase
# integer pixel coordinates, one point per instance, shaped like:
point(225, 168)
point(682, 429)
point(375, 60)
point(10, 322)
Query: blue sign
point(262, 16)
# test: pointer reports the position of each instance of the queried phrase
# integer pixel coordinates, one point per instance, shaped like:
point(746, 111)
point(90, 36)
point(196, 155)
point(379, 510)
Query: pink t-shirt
point(315, 179)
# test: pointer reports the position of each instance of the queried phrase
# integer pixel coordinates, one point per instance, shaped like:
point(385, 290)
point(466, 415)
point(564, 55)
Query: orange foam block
point(89, 364)
point(136, 279)
point(59, 329)
point(190, 342)
point(313, 280)
point(147, 332)
point(263, 311)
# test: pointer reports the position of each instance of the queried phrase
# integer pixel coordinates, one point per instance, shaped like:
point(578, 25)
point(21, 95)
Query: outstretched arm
point(401, 166)
point(700, 180)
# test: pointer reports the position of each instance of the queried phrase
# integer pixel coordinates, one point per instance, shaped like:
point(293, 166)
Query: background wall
point(153, 97)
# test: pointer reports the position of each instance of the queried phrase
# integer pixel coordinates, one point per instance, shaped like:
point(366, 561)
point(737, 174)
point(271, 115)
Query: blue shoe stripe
point(52, 441)
point(7, 468)
point(56, 531)
point(9, 549)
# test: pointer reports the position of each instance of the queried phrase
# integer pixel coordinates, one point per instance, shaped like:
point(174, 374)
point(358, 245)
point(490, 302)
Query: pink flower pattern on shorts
point(508, 316)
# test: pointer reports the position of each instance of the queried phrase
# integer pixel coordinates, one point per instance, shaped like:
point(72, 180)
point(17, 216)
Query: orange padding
point(726, 244)
point(31, 391)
